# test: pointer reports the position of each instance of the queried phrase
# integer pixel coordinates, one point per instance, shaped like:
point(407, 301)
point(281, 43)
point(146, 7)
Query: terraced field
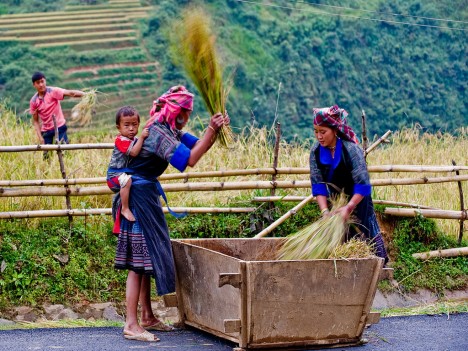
point(80, 27)
point(119, 84)
point(85, 28)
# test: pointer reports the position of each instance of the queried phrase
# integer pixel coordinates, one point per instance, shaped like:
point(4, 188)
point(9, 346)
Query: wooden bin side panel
point(204, 304)
point(311, 302)
point(262, 249)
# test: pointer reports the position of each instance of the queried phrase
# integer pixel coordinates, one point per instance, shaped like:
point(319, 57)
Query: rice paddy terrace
point(110, 26)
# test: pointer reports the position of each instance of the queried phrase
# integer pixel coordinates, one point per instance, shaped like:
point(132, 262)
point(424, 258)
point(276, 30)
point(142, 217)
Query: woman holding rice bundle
point(337, 164)
point(144, 246)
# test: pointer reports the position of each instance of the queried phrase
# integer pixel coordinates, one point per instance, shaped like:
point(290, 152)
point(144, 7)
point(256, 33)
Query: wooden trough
point(237, 290)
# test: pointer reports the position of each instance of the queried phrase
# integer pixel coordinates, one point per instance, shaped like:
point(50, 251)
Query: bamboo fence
point(249, 172)
point(77, 187)
point(108, 211)
point(213, 186)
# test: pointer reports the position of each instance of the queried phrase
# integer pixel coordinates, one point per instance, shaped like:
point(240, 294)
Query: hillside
point(403, 62)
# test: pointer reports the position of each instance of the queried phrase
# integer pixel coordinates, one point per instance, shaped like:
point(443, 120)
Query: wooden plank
point(386, 274)
point(170, 300)
point(233, 279)
point(373, 318)
point(232, 326)
point(204, 303)
point(373, 279)
point(307, 301)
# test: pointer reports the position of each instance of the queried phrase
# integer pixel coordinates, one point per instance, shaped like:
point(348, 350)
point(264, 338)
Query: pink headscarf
point(168, 106)
point(335, 118)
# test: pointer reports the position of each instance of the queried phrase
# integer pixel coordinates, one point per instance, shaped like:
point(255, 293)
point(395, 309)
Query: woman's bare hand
point(344, 211)
point(217, 121)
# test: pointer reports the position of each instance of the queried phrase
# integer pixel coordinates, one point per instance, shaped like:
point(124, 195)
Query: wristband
point(209, 126)
point(324, 211)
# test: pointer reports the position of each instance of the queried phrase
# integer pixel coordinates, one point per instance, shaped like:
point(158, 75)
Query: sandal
point(145, 336)
point(159, 326)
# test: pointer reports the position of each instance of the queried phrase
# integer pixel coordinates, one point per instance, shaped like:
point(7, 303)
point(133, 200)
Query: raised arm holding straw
point(46, 103)
point(144, 246)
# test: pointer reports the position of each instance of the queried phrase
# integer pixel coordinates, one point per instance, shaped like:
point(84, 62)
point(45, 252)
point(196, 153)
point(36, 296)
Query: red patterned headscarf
point(168, 106)
point(335, 118)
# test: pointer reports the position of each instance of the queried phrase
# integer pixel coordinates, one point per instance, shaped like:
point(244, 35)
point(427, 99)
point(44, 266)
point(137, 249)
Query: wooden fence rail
point(213, 186)
point(108, 211)
point(73, 187)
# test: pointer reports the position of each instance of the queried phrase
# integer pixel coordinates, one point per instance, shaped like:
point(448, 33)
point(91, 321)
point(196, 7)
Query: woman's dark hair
point(126, 111)
point(37, 76)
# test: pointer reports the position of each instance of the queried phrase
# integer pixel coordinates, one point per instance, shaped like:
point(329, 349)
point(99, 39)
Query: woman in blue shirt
point(337, 164)
point(144, 246)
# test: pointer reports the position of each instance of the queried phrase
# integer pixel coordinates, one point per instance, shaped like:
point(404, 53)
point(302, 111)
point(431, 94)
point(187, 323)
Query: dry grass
point(82, 112)
point(412, 147)
point(354, 248)
point(194, 46)
point(252, 149)
point(317, 240)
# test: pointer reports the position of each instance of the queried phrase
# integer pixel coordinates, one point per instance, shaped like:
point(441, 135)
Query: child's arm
point(137, 147)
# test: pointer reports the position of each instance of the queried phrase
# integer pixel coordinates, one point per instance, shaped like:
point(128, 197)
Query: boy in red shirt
point(127, 145)
point(46, 103)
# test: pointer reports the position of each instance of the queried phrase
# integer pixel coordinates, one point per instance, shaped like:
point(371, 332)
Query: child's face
point(128, 126)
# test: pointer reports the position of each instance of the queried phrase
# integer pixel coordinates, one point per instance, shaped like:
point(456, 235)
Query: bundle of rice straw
point(354, 248)
point(318, 239)
point(82, 112)
point(194, 49)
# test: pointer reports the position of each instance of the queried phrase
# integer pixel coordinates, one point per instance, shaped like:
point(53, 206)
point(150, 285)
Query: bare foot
point(128, 214)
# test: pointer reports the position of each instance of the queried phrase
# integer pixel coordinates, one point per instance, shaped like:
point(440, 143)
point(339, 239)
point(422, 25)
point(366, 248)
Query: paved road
point(415, 333)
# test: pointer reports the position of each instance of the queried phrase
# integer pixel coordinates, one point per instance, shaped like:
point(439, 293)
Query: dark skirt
point(368, 226)
point(132, 252)
point(144, 246)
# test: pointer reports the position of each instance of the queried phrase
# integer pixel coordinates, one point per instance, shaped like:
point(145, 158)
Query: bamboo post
point(288, 214)
point(62, 170)
point(459, 251)
point(365, 141)
point(382, 139)
point(275, 155)
point(462, 205)
point(271, 205)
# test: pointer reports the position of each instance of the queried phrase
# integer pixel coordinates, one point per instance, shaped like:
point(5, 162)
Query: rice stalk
point(318, 239)
point(194, 49)
point(82, 112)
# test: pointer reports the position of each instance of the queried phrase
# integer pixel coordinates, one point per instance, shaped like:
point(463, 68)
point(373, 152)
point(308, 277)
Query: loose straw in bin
point(318, 239)
point(194, 49)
